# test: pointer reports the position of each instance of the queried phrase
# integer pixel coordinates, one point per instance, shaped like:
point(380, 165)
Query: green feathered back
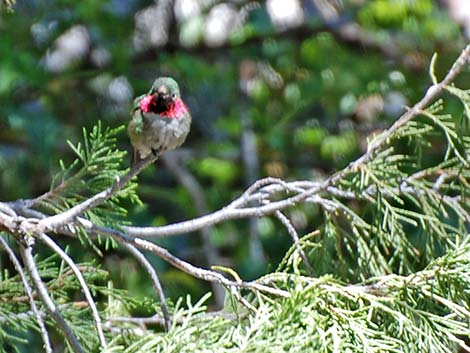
point(137, 117)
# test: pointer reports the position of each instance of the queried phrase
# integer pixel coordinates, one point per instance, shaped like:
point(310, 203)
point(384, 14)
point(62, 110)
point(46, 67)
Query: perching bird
point(160, 120)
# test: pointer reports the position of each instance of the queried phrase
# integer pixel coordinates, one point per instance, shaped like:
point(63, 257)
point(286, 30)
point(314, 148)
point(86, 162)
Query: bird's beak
point(162, 93)
point(162, 97)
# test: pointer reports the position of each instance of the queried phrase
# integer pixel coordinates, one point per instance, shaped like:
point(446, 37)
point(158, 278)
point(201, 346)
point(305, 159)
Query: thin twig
point(28, 259)
point(295, 238)
point(126, 331)
point(155, 280)
point(158, 320)
point(140, 321)
point(86, 291)
point(27, 314)
point(29, 293)
point(258, 184)
point(293, 233)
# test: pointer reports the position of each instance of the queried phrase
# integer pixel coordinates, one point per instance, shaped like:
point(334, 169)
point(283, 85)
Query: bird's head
point(163, 98)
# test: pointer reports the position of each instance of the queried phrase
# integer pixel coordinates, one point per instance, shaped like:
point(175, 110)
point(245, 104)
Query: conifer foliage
point(388, 270)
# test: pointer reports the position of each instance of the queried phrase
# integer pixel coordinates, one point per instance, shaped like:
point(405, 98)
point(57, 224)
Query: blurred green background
point(288, 89)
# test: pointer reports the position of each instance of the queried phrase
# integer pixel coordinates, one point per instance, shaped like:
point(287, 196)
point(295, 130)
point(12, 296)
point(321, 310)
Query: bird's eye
point(173, 96)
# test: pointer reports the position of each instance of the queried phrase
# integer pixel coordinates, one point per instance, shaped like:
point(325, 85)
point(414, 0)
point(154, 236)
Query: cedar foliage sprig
point(17, 321)
point(400, 211)
point(423, 312)
point(97, 164)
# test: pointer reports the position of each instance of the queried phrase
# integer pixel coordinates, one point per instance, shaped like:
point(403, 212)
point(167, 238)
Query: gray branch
point(295, 238)
point(155, 280)
point(28, 259)
point(29, 293)
point(52, 223)
point(86, 291)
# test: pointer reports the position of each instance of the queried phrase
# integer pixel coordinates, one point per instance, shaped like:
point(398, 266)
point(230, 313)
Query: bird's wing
point(136, 103)
point(137, 116)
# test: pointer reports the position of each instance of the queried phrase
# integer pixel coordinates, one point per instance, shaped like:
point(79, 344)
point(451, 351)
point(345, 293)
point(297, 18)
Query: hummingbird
point(160, 119)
